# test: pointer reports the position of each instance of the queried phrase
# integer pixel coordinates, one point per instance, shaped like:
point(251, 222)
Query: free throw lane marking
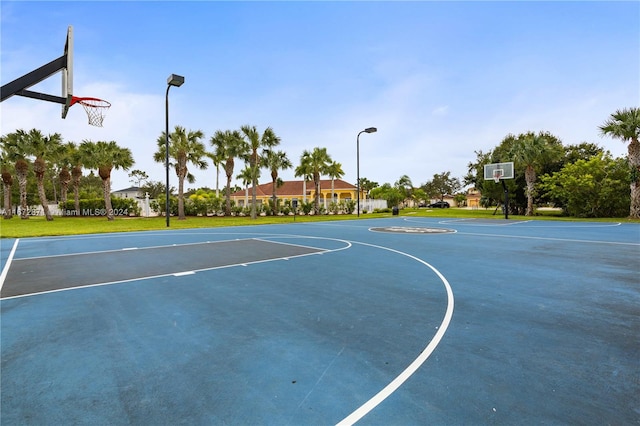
point(9, 259)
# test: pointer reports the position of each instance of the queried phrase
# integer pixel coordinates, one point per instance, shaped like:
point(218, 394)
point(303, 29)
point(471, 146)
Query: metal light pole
point(367, 130)
point(173, 80)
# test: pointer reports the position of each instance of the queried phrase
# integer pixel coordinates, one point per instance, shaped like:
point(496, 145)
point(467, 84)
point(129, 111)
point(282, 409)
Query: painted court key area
point(53, 273)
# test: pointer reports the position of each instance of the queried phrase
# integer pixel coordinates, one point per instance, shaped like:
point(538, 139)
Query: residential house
point(132, 192)
point(301, 192)
point(473, 198)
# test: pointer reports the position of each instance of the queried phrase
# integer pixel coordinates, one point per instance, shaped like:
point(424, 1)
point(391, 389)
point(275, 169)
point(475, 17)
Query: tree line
point(583, 179)
point(23, 152)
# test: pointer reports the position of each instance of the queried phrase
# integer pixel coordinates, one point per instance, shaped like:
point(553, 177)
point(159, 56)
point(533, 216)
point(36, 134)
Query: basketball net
point(497, 174)
point(95, 108)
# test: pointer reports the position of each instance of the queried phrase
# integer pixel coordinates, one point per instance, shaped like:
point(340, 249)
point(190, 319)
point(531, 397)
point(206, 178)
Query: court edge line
point(154, 233)
point(171, 274)
point(372, 403)
point(520, 222)
point(87, 253)
point(5, 270)
point(566, 240)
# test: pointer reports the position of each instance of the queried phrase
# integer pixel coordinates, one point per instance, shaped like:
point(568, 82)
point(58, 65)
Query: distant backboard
point(498, 171)
point(67, 73)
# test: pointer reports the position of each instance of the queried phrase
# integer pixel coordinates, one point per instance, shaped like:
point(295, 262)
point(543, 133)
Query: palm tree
point(246, 177)
point(405, 186)
point(303, 172)
point(275, 161)
point(334, 171)
point(624, 124)
point(106, 156)
point(228, 146)
point(7, 181)
point(65, 161)
point(315, 163)
point(255, 142)
point(44, 149)
point(217, 159)
point(184, 147)
point(534, 151)
point(77, 163)
point(16, 146)
point(367, 185)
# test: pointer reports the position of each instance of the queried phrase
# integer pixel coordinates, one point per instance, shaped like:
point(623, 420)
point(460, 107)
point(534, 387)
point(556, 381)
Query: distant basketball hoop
point(498, 172)
point(95, 108)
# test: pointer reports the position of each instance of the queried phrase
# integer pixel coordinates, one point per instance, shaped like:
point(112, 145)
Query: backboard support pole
point(42, 96)
point(18, 86)
point(506, 199)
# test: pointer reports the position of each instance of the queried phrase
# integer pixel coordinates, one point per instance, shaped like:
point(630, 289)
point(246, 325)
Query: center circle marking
point(412, 230)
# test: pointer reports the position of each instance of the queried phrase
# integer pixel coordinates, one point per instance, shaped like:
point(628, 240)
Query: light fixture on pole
point(173, 80)
point(367, 130)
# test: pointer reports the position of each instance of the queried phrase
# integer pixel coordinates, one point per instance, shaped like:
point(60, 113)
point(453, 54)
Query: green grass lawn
point(37, 226)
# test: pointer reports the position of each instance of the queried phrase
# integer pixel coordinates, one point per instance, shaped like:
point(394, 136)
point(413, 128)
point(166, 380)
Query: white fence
point(371, 205)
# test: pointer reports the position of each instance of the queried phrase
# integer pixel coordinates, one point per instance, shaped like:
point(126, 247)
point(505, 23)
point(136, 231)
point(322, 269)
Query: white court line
point(5, 270)
point(320, 250)
point(372, 403)
point(566, 240)
point(84, 253)
point(477, 223)
point(535, 223)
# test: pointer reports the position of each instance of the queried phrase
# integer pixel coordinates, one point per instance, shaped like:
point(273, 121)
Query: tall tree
point(276, 161)
point(315, 163)
point(581, 151)
point(77, 163)
point(65, 162)
point(245, 177)
point(217, 159)
point(45, 149)
point(257, 144)
point(302, 170)
point(534, 151)
point(441, 185)
point(334, 171)
point(16, 148)
point(228, 145)
point(405, 186)
point(367, 185)
point(7, 182)
point(106, 156)
point(138, 177)
point(185, 147)
point(624, 124)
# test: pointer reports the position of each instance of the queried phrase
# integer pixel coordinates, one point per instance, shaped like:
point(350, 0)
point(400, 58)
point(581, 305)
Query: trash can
point(394, 211)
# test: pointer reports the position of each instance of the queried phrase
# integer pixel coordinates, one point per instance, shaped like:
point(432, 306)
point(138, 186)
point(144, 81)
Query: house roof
point(294, 188)
point(130, 189)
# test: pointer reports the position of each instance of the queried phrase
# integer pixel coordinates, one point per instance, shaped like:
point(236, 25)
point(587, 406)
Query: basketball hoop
point(95, 108)
point(497, 174)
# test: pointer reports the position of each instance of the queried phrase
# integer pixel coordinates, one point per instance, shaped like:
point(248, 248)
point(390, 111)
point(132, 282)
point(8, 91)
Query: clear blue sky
point(439, 80)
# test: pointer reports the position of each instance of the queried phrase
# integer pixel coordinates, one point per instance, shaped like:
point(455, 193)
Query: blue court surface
point(396, 321)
